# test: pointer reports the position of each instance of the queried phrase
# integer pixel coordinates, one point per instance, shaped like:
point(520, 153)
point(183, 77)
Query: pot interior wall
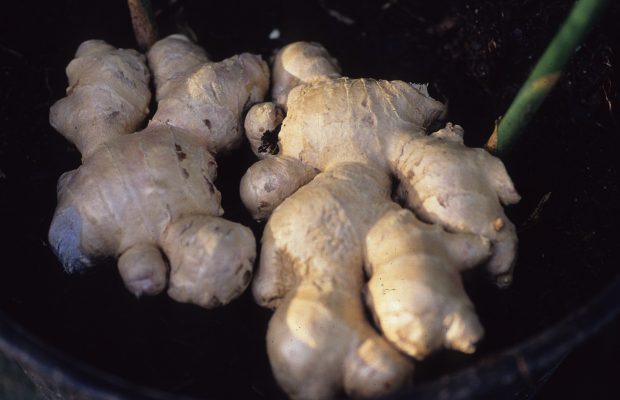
point(474, 54)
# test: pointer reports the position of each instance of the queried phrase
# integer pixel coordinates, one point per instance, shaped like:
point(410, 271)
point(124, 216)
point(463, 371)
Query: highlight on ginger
point(336, 238)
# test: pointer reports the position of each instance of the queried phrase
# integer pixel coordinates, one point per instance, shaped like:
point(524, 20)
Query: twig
point(546, 73)
point(143, 21)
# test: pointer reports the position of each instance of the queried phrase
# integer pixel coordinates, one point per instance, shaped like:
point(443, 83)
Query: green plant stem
point(143, 21)
point(546, 73)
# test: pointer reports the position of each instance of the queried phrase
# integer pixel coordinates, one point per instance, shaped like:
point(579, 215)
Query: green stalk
point(143, 21)
point(546, 73)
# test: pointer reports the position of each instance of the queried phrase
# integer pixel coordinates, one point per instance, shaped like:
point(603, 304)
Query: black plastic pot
point(87, 338)
point(516, 373)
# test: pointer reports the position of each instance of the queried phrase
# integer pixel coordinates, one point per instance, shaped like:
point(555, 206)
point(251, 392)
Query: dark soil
point(475, 54)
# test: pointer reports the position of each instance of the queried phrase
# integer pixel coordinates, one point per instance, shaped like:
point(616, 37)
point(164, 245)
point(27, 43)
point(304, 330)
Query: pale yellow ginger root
point(415, 290)
point(300, 63)
point(327, 193)
point(148, 198)
point(461, 188)
point(319, 341)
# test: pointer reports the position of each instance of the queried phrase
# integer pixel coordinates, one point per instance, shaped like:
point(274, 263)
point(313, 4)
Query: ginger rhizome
point(334, 231)
point(148, 197)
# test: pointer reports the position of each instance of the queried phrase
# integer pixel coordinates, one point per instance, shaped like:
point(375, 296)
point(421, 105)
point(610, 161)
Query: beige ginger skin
point(149, 196)
point(333, 226)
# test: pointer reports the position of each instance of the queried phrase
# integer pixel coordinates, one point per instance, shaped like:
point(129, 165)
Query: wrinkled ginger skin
point(149, 196)
point(106, 110)
point(327, 196)
point(415, 290)
point(463, 196)
point(318, 340)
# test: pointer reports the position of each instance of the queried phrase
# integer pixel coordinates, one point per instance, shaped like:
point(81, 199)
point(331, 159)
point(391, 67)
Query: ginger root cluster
point(334, 231)
point(337, 241)
point(148, 198)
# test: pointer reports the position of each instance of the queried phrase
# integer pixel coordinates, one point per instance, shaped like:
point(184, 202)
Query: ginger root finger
point(143, 269)
point(211, 259)
point(108, 96)
point(300, 63)
point(268, 182)
point(444, 182)
point(415, 289)
point(205, 98)
point(172, 59)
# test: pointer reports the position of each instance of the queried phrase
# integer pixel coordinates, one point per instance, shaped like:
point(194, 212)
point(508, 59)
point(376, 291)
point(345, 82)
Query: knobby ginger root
point(148, 197)
point(332, 221)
